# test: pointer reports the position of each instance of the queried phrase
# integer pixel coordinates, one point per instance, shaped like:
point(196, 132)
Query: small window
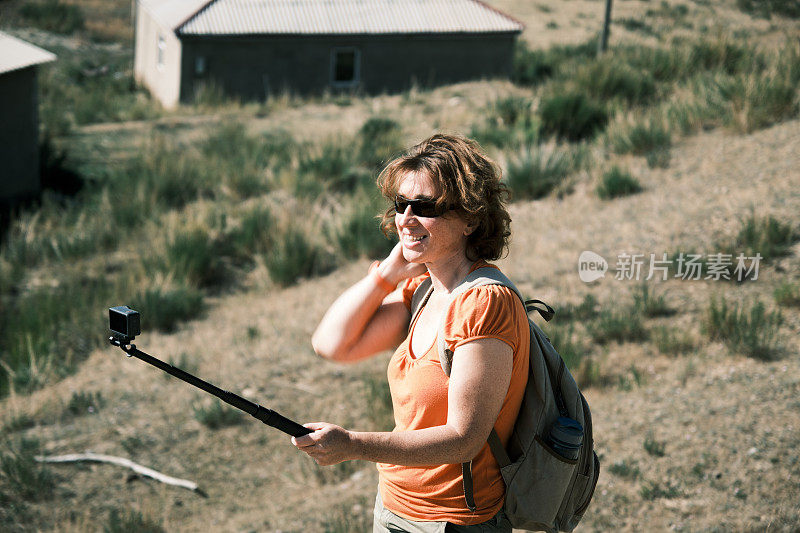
point(162, 48)
point(199, 65)
point(345, 67)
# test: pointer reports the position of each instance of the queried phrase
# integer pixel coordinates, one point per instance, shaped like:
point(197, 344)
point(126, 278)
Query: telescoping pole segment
point(267, 416)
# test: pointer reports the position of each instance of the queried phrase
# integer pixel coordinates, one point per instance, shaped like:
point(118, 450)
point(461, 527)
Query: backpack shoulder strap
point(476, 278)
point(420, 298)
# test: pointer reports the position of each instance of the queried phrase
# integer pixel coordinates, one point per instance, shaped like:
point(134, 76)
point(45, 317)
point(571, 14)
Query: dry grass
point(724, 466)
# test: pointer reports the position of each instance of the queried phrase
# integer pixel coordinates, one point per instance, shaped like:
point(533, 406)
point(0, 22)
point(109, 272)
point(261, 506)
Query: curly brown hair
point(464, 177)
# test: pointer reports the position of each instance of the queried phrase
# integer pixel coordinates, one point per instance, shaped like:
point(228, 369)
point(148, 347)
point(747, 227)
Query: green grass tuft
point(218, 415)
point(616, 183)
point(753, 332)
point(130, 522)
point(572, 117)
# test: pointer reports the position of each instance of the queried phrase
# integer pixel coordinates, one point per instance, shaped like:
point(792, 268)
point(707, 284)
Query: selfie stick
point(268, 416)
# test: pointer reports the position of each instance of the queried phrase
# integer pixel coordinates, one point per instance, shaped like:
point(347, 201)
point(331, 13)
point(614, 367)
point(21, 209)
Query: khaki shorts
point(386, 521)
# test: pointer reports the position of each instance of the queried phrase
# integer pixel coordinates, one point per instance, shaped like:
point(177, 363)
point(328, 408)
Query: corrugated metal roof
point(16, 54)
point(312, 17)
point(173, 13)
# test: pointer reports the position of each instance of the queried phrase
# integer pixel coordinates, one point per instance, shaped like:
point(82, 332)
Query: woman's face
point(429, 239)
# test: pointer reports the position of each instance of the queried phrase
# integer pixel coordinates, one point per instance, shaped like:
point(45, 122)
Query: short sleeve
point(409, 286)
point(488, 311)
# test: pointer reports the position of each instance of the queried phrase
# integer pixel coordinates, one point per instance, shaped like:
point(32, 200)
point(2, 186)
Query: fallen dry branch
point(121, 461)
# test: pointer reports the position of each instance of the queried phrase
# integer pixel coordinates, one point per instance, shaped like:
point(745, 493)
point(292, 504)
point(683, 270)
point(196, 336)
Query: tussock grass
point(787, 294)
point(768, 8)
point(165, 307)
point(653, 490)
point(532, 67)
point(128, 521)
point(639, 138)
point(572, 117)
point(616, 183)
point(673, 341)
point(356, 229)
point(585, 310)
point(650, 304)
point(217, 415)
point(82, 403)
point(296, 256)
point(617, 325)
point(508, 123)
point(751, 331)
point(653, 447)
point(610, 78)
point(23, 478)
point(625, 469)
point(538, 170)
point(54, 16)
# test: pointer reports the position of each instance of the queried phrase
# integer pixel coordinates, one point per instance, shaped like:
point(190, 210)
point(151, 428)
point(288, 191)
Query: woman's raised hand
point(395, 268)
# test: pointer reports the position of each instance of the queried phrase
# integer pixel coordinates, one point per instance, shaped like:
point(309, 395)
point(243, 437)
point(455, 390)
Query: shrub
point(610, 78)
point(508, 123)
point(81, 403)
point(572, 117)
point(767, 8)
point(294, 257)
point(130, 521)
point(766, 236)
point(218, 415)
point(663, 65)
point(38, 344)
point(196, 257)
point(722, 55)
point(757, 101)
point(531, 67)
point(537, 171)
point(254, 233)
point(620, 326)
point(53, 16)
point(754, 333)
point(164, 308)
point(641, 139)
point(26, 478)
point(616, 183)
point(653, 447)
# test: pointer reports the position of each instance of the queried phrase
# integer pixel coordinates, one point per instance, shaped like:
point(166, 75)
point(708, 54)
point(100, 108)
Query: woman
point(450, 216)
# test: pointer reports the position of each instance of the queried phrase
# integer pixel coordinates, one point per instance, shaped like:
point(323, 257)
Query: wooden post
point(603, 44)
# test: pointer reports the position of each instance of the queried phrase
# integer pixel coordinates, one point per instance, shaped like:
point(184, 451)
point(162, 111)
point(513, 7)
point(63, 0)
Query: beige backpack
point(544, 490)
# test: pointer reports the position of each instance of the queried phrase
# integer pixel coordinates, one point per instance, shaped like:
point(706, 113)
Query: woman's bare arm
point(479, 381)
point(364, 320)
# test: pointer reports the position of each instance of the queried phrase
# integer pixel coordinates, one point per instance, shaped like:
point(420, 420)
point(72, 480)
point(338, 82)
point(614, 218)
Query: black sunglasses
point(421, 208)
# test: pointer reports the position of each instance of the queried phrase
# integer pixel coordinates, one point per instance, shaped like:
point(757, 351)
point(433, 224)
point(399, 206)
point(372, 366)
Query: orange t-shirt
point(419, 397)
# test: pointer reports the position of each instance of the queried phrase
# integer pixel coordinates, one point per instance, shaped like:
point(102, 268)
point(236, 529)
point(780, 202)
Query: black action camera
point(124, 323)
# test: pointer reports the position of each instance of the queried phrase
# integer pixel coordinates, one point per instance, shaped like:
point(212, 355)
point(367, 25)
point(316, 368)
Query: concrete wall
point(163, 81)
point(256, 66)
point(19, 135)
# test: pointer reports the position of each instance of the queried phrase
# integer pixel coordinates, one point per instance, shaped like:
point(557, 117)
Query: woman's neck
point(448, 273)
